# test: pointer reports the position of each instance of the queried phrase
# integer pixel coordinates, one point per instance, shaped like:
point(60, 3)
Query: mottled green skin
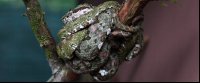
point(80, 66)
point(66, 47)
point(68, 44)
point(71, 12)
point(82, 22)
point(89, 49)
point(84, 19)
point(90, 46)
point(83, 40)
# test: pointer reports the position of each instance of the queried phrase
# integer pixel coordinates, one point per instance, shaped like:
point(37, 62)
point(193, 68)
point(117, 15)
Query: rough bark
point(130, 9)
point(46, 40)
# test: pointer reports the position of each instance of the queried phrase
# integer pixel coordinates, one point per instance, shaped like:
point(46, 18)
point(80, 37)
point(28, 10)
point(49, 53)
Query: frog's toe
point(63, 51)
point(66, 56)
point(135, 51)
point(120, 34)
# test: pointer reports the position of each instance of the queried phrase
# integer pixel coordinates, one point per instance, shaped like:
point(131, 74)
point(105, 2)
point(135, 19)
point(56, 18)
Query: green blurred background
point(21, 57)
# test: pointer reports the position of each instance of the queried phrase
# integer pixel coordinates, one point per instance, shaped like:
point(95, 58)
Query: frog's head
point(77, 12)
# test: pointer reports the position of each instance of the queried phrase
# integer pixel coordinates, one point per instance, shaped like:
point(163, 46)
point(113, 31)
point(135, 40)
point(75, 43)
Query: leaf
point(164, 4)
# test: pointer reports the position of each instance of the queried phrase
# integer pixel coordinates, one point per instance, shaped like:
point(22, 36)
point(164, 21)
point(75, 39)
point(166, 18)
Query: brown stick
point(130, 9)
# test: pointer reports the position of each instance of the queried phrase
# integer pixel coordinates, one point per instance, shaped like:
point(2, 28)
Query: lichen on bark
point(38, 24)
point(44, 37)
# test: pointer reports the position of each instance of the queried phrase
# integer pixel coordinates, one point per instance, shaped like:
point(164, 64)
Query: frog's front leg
point(131, 43)
point(67, 45)
point(139, 43)
point(119, 26)
point(118, 33)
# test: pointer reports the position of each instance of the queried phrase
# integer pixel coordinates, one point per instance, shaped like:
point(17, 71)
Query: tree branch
point(43, 35)
point(130, 9)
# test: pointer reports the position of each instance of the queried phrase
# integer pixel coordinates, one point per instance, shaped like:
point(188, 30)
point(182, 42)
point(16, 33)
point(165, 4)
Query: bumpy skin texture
point(68, 43)
point(93, 40)
point(103, 18)
point(77, 12)
point(66, 48)
point(82, 66)
point(91, 45)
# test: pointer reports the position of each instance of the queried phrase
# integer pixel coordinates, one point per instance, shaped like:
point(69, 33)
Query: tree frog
point(74, 35)
point(84, 43)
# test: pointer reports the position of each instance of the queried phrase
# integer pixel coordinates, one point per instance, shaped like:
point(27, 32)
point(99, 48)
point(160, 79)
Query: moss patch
point(48, 53)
